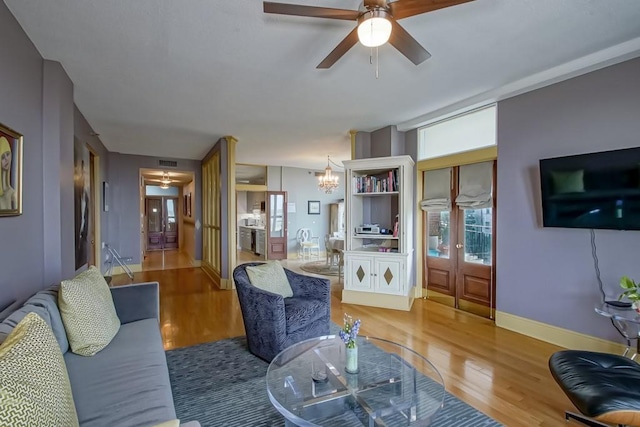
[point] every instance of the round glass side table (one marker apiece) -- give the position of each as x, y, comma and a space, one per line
627, 321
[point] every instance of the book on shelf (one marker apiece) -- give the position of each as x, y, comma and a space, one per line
382, 183
395, 227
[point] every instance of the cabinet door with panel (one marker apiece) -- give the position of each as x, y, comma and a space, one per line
389, 276
260, 241
359, 272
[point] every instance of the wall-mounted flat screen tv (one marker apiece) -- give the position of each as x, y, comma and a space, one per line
597, 190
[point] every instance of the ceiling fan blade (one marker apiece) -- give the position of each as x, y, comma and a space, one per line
312, 11
342, 48
407, 45
406, 8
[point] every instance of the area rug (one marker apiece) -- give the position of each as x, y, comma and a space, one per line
320, 267
222, 384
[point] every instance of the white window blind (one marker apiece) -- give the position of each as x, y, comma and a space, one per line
470, 131
437, 190
475, 186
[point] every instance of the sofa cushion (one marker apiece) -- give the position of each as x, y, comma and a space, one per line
35, 389
270, 277
300, 312
48, 299
16, 317
125, 384
88, 312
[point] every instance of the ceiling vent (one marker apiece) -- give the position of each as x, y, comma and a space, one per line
168, 163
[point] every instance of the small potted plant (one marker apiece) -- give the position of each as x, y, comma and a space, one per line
631, 292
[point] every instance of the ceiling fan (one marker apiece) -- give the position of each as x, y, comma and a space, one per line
377, 24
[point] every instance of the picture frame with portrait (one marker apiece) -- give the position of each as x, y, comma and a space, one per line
10, 172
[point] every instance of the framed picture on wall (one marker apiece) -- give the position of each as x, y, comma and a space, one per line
313, 207
184, 206
10, 172
189, 204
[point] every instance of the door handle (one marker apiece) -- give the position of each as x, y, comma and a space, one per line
459, 245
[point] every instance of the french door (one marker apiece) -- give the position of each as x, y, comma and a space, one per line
162, 223
276, 212
459, 248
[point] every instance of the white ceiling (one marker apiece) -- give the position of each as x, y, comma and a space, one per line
169, 78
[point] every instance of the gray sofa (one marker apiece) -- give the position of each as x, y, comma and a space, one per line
125, 384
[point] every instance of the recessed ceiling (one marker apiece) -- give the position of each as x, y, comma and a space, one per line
169, 78
154, 177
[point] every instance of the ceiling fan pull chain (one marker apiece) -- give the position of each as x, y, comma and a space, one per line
377, 64
371, 57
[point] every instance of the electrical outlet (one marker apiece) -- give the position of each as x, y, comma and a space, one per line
104, 245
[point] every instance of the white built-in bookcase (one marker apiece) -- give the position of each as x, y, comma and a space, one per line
377, 266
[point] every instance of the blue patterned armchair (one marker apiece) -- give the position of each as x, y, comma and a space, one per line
273, 323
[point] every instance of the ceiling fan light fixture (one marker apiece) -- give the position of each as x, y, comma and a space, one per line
374, 28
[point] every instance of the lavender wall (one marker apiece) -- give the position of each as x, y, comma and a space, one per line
38, 245
547, 274
57, 130
21, 254
124, 205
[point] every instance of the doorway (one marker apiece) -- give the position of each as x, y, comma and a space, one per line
250, 227
276, 224
459, 249
162, 223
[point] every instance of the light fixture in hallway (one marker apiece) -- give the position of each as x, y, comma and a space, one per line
166, 180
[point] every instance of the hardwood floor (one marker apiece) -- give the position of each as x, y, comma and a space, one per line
499, 372
167, 259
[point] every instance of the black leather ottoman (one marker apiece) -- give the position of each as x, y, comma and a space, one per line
604, 387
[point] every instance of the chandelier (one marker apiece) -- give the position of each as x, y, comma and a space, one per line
328, 182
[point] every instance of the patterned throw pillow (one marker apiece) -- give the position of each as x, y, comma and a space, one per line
88, 312
35, 389
271, 277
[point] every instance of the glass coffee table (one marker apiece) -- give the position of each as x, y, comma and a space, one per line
394, 386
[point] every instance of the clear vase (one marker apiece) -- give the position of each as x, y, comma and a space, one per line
352, 360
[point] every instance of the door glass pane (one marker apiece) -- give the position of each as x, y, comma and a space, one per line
171, 214
439, 230
276, 215
478, 235
154, 215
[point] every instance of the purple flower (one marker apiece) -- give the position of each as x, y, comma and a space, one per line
349, 332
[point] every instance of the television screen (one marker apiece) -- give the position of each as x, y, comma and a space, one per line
597, 190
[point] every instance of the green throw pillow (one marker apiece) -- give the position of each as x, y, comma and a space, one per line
270, 277
88, 312
568, 182
34, 384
